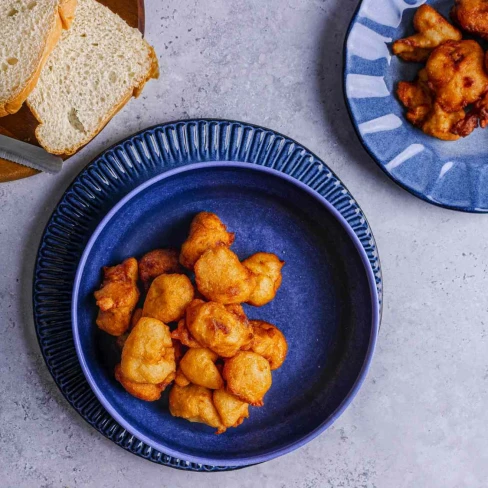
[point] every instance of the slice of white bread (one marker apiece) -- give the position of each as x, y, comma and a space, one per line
96, 67
29, 31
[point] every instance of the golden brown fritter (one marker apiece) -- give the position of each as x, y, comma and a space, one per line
456, 74
198, 366
158, 262
432, 30
117, 297
148, 355
472, 16
267, 269
248, 377
194, 403
143, 391
417, 97
168, 297
220, 277
231, 410
217, 328
423, 112
206, 232
269, 342
182, 334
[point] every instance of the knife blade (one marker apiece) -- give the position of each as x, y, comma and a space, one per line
29, 155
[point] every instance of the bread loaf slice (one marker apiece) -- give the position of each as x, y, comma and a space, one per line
96, 67
29, 31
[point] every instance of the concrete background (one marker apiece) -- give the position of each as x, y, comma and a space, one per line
421, 418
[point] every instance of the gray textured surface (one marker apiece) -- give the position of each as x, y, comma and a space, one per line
421, 417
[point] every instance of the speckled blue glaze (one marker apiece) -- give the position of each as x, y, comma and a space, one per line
327, 306
450, 174
108, 179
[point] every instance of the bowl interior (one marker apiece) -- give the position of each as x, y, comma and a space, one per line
326, 307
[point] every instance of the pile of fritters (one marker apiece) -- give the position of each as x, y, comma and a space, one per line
449, 97
200, 339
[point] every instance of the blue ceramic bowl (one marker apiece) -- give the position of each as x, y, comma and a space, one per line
327, 306
452, 174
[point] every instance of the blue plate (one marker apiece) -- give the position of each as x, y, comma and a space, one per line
121, 169
327, 306
451, 174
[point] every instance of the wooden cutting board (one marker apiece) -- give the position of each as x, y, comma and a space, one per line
22, 125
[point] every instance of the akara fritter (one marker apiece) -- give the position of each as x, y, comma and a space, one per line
427, 114
194, 403
267, 270
269, 342
168, 297
231, 410
472, 16
156, 263
456, 74
248, 377
143, 391
220, 277
432, 30
117, 297
217, 328
198, 366
148, 355
206, 232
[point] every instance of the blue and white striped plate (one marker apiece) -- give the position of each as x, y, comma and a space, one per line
451, 174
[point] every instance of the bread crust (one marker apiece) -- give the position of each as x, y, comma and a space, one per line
63, 18
135, 91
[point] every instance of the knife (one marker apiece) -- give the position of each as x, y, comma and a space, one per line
29, 155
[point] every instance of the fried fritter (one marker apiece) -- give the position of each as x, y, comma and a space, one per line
417, 97
269, 342
158, 262
231, 410
456, 74
143, 391
423, 112
217, 328
148, 355
248, 377
117, 297
206, 232
168, 297
194, 403
472, 16
220, 277
198, 366
267, 269
182, 334
432, 30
